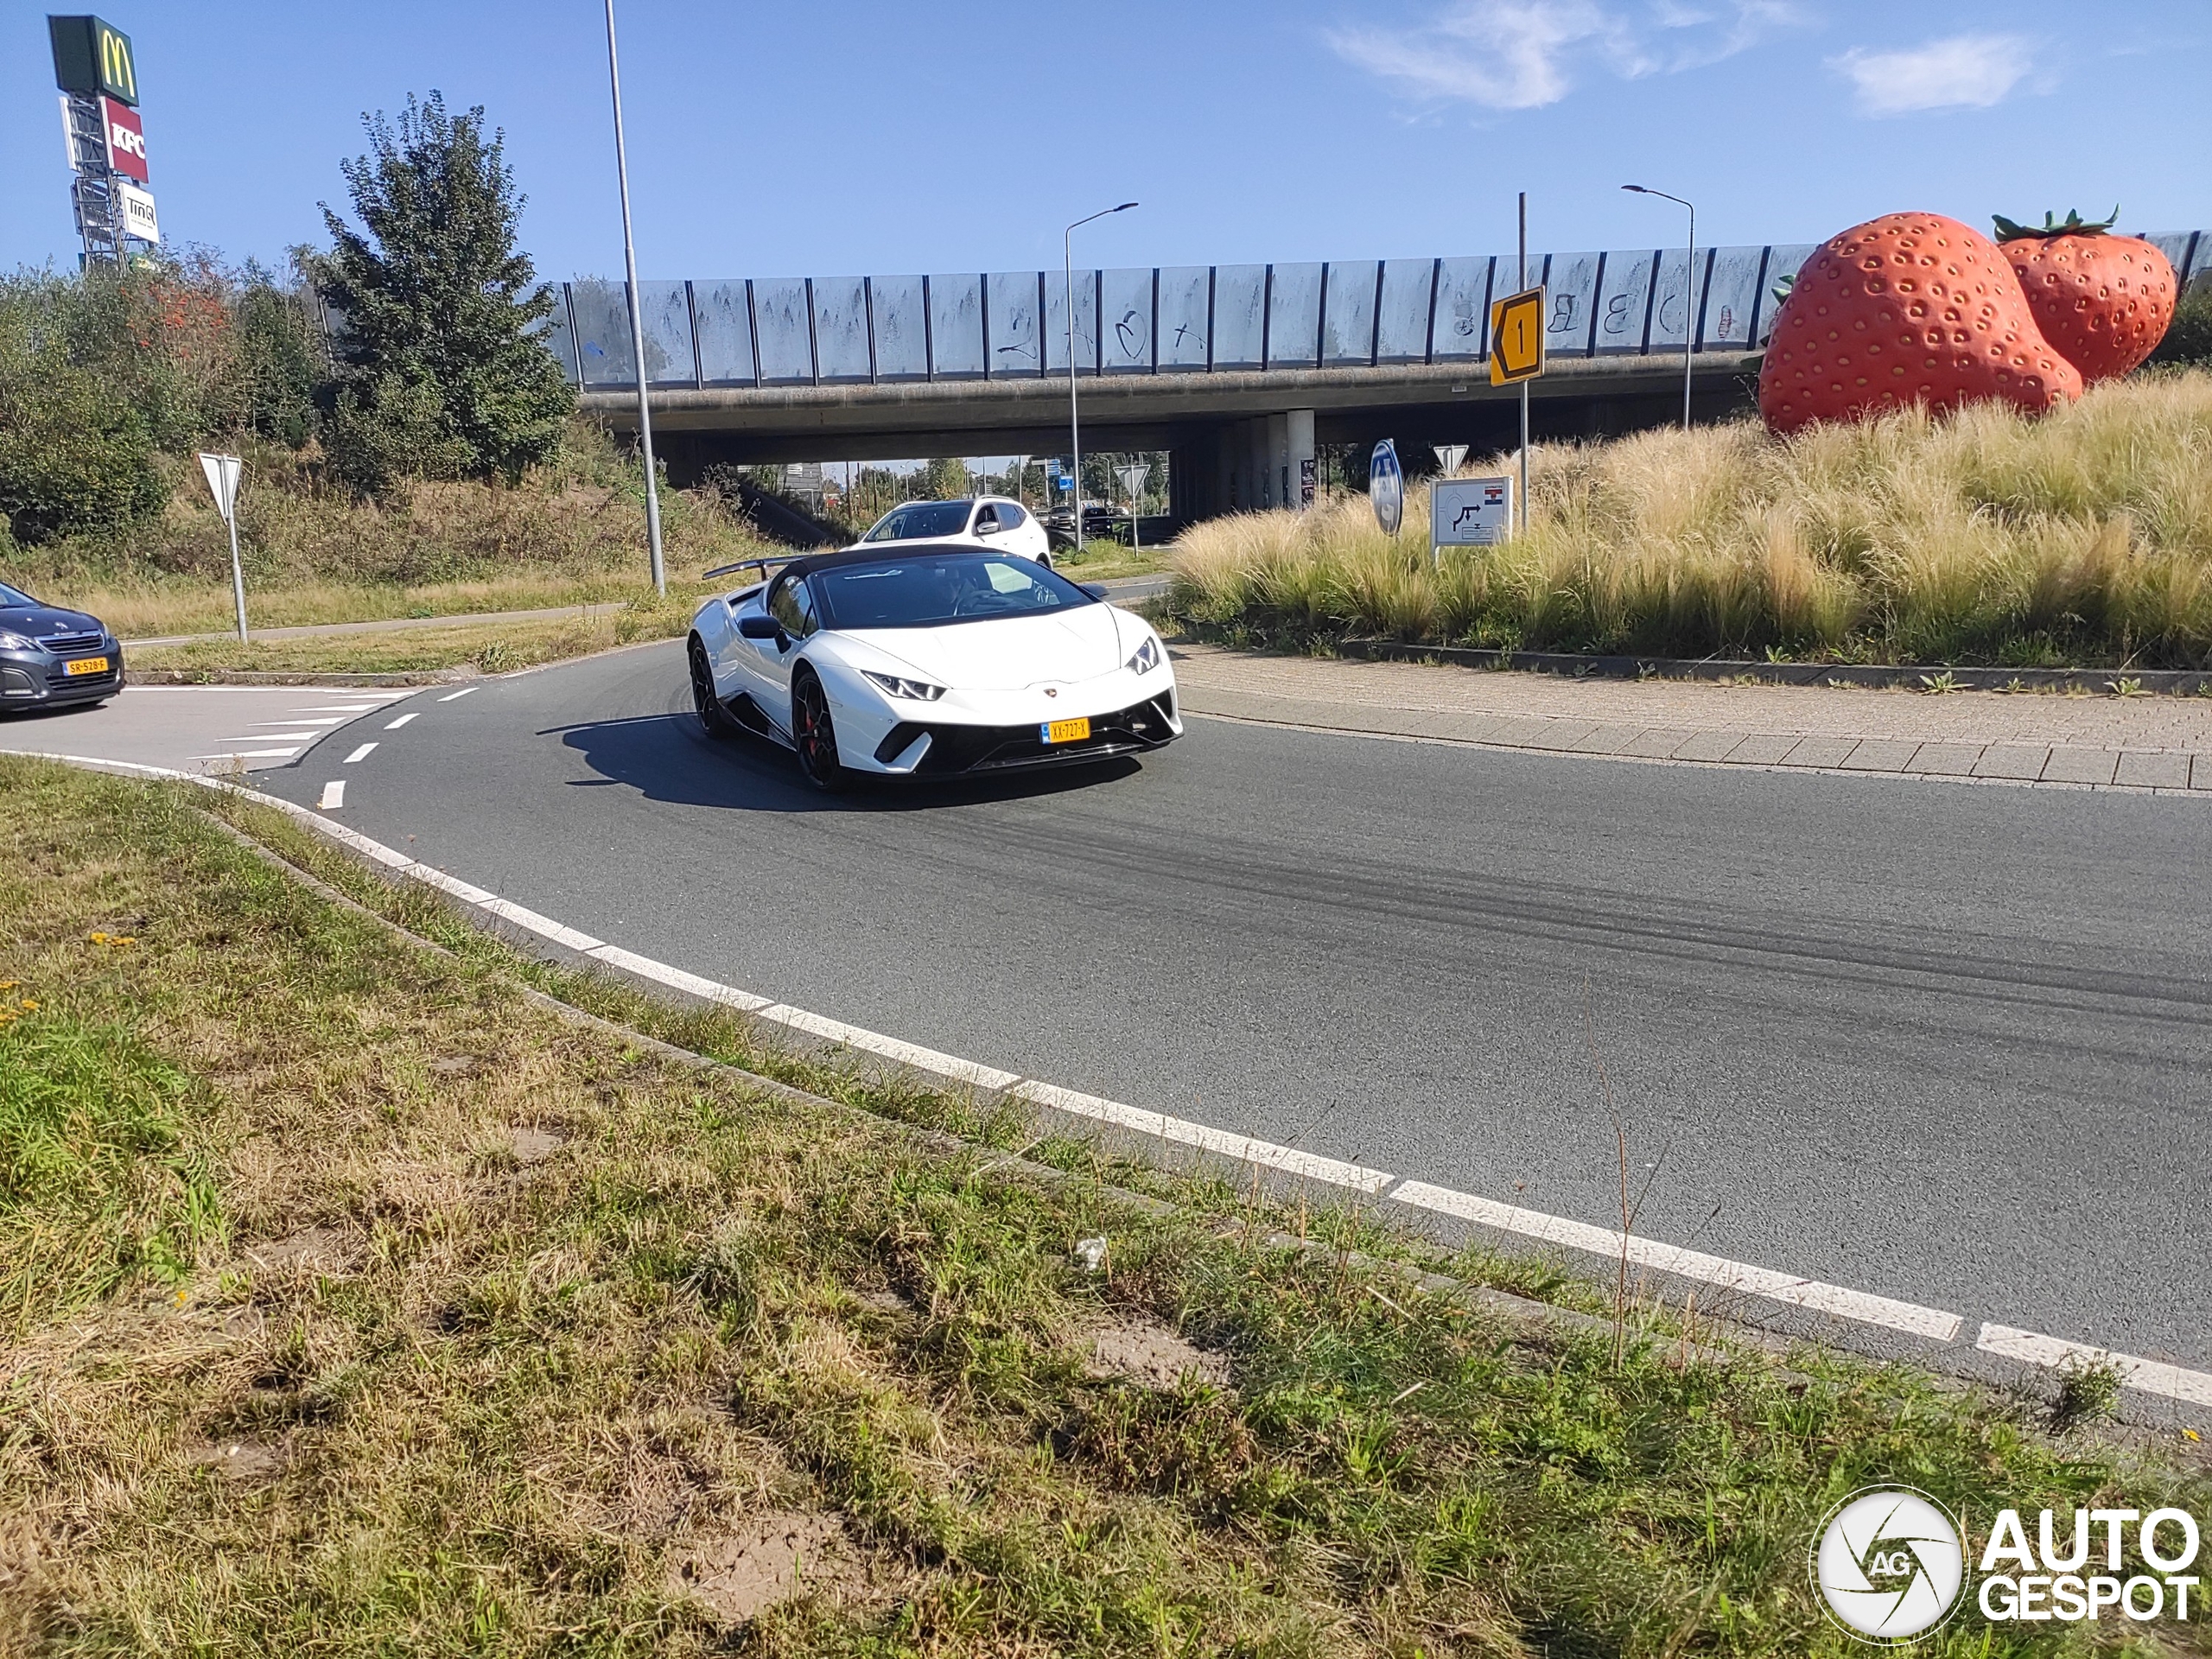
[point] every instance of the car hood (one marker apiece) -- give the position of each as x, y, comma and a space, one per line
39, 620
1008, 652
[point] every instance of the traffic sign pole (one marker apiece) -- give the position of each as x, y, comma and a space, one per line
222, 472
1523, 503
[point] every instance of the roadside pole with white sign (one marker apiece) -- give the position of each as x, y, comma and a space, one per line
1469, 513
1132, 480
223, 480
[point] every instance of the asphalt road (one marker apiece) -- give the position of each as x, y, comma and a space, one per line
199, 728
1942, 1043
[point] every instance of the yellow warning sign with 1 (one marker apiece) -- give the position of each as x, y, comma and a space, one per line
1517, 338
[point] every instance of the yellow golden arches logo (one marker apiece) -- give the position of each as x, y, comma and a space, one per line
118, 76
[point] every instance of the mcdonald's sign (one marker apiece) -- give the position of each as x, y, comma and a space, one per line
93, 57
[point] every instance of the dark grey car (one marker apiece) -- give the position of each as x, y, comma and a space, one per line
50, 656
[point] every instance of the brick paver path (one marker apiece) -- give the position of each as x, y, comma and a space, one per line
2074, 741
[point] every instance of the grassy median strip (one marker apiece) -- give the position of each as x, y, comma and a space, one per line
488, 647
355, 1303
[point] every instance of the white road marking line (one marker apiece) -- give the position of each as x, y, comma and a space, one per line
269, 737
340, 709
1859, 1306
402, 720
334, 797
361, 753
463, 692
296, 721
244, 754
1161, 1127
2150, 1375
870, 1042
1654, 1256
646, 968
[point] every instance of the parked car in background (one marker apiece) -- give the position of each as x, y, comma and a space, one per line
51, 655
988, 521
1098, 519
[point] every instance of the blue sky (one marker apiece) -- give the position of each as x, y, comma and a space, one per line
892, 137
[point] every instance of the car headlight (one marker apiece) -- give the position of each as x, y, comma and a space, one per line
1147, 656
17, 642
892, 686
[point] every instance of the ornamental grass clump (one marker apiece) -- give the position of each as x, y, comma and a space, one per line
2083, 536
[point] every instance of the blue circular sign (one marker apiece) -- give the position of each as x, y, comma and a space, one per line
1386, 486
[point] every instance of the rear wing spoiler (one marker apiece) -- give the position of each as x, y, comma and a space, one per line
761, 565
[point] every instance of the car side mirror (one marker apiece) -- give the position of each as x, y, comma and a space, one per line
988, 527
759, 628
1096, 589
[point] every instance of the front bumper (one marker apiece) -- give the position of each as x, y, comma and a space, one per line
37, 679
954, 748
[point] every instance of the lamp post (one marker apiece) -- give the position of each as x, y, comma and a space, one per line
637, 319
1689, 294
1075, 435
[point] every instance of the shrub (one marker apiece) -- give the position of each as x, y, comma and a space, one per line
77, 447
440, 374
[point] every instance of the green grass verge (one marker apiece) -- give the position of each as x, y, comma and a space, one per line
490, 647
472, 1331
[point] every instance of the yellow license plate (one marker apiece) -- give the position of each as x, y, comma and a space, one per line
1066, 731
86, 665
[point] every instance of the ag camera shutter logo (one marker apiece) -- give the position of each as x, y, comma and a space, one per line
1889, 1563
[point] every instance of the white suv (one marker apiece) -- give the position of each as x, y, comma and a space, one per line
990, 521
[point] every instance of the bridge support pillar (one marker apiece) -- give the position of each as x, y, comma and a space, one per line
1299, 476
1259, 466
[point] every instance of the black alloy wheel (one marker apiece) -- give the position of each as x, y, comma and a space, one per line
813, 736
714, 719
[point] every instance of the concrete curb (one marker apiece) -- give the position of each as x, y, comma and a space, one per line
278, 676
1878, 676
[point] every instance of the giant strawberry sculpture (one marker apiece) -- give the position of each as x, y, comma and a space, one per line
1908, 308
2103, 301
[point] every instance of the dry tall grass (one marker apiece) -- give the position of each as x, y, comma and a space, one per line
2082, 537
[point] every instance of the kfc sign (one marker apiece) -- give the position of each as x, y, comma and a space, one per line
126, 139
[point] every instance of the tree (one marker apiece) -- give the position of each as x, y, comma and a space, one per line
440, 374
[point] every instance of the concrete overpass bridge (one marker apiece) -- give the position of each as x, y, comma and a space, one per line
1237, 370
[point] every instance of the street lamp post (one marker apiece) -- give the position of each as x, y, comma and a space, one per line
1075, 434
1689, 294
637, 319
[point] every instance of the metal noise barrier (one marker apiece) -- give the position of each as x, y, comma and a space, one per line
797, 331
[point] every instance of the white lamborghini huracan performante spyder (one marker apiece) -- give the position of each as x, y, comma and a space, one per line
930, 659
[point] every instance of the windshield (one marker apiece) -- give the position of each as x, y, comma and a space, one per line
926, 590
10, 598
922, 521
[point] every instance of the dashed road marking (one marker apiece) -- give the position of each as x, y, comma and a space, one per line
296, 721
463, 692
402, 720
333, 795
269, 737
359, 754
2150, 1375
244, 755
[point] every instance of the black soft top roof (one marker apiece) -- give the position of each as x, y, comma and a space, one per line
877, 552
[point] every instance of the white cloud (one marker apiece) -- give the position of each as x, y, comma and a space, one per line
1962, 72
1521, 55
